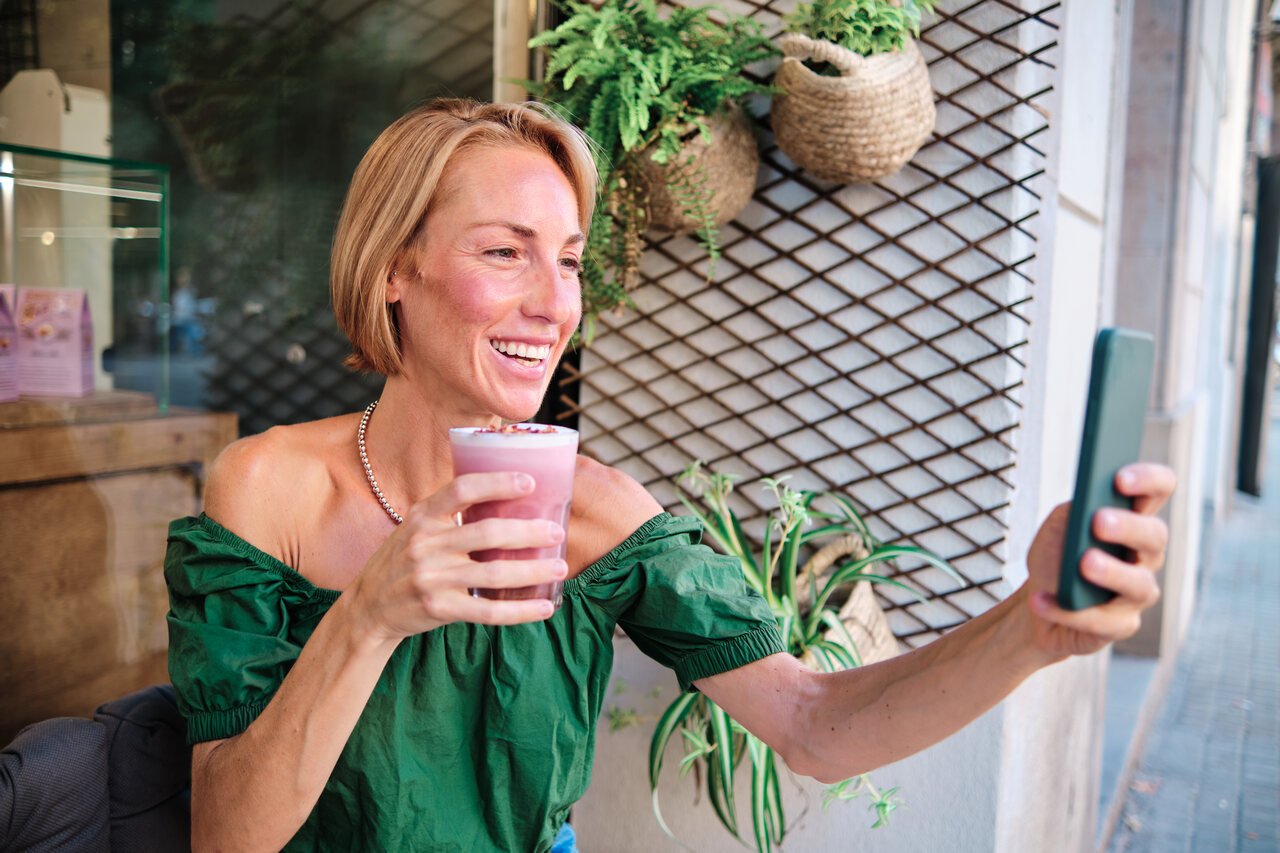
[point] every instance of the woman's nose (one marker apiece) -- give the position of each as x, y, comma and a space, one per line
553, 296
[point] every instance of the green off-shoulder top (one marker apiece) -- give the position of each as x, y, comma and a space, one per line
476, 738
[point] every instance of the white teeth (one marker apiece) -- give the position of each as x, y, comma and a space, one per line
520, 350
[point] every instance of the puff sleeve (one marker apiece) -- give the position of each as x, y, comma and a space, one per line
688, 607
237, 621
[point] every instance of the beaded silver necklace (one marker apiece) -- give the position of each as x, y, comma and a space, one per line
368, 471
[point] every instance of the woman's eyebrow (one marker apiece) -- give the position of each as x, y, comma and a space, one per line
527, 232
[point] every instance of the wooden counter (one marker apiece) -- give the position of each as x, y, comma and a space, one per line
87, 490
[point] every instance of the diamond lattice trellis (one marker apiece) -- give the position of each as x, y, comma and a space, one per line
864, 339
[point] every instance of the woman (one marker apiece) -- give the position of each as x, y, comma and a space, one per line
342, 688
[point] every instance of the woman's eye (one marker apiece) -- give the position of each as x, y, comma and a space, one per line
572, 264
505, 252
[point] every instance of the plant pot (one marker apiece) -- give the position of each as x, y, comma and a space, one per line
861, 615
863, 125
726, 165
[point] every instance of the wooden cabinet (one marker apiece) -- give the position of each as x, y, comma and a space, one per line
87, 491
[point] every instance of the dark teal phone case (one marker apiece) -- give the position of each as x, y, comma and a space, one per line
1115, 416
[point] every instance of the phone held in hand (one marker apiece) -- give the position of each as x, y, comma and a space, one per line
1115, 416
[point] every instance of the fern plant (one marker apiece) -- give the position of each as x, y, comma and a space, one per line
807, 613
866, 27
639, 83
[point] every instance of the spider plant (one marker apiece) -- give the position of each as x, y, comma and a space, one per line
805, 602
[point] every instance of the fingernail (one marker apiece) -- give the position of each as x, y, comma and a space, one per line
562, 569
1125, 479
524, 482
557, 532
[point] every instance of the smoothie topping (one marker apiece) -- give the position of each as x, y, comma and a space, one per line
519, 429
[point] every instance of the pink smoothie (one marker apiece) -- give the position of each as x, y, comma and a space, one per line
548, 455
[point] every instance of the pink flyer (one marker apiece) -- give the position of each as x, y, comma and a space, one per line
55, 342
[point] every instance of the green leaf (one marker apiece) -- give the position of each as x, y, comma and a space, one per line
855, 571
746, 552
716, 794
790, 562
722, 734
848, 789
786, 624
838, 654
774, 793
884, 805
760, 806
835, 624
696, 747
823, 659
853, 517
671, 719
930, 558
667, 725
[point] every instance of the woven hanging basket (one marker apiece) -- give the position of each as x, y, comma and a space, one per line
727, 165
863, 125
861, 614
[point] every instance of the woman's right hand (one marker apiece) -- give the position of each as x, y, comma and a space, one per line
422, 576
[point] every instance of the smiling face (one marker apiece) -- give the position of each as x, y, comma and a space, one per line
491, 297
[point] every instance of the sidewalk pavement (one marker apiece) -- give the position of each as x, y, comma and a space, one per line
1209, 778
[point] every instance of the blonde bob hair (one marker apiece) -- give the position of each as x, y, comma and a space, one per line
394, 188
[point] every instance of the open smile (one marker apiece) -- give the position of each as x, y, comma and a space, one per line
527, 355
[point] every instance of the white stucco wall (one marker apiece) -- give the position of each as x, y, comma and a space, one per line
1052, 725
948, 793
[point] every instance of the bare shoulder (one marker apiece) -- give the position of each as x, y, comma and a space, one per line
259, 486
608, 506
598, 485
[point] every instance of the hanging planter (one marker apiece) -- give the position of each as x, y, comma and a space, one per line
866, 633
721, 165
658, 91
864, 124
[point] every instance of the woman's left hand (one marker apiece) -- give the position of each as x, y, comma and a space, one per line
1060, 632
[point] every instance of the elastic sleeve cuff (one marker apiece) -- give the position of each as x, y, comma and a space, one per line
729, 654
216, 725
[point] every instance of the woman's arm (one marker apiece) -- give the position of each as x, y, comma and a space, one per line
255, 790
837, 725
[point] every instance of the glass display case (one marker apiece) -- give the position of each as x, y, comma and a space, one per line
99, 227
94, 462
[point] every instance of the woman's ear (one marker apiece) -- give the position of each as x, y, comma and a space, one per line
404, 269
395, 284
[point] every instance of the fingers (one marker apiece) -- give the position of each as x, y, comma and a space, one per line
1149, 484
506, 534
470, 489
513, 574
444, 593
1135, 583
487, 611
1146, 535
1107, 622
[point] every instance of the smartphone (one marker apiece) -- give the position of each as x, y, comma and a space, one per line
1114, 420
